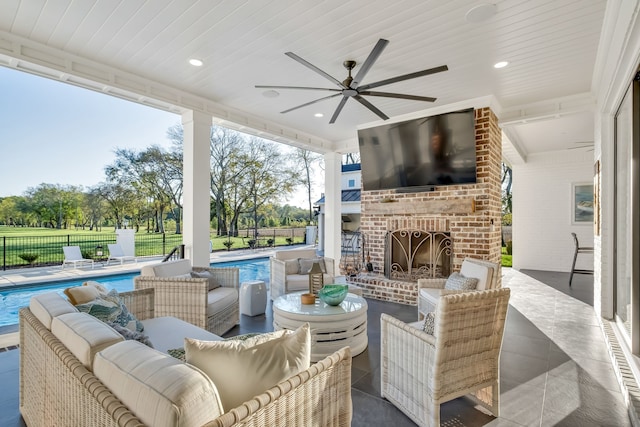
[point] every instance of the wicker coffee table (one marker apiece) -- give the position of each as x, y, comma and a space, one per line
332, 327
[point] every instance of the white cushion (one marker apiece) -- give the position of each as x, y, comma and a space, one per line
430, 294
168, 269
49, 305
295, 254
166, 333
84, 335
480, 272
158, 388
244, 369
221, 298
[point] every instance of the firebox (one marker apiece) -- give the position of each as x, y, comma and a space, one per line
415, 254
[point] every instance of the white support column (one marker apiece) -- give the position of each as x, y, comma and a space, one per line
196, 181
333, 205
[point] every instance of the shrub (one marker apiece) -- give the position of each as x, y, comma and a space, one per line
509, 247
289, 240
252, 243
270, 242
87, 254
29, 257
228, 244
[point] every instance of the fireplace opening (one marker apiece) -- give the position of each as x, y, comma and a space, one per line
414, 254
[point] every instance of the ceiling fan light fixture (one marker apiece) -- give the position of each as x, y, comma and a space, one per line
481, 13
271, 93
501, 64
196, 62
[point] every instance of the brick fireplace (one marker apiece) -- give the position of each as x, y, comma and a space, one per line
468, 214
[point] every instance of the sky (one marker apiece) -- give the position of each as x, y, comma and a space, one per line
56, 133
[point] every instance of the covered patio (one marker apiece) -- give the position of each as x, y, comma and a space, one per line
570, 66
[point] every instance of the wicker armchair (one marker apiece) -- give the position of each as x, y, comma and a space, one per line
285, 275
430, 290
189, 299
421, 371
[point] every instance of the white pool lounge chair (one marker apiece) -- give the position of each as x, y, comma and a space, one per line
72, 255
116, 253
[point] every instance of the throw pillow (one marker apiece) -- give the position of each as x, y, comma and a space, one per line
128, 334
457, 282
307, 263
81, 294
110, 308
101, 289
429, 325
213, 283
244, 369
178, 353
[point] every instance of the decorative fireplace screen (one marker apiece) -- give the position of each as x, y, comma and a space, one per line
413, 254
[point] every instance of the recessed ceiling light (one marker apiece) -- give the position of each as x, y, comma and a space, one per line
196, 62
480, 13
318, 115
270, 93
500, 64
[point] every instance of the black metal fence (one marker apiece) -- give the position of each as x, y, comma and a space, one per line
35, 251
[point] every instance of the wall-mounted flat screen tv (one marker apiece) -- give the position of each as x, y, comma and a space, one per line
419, 154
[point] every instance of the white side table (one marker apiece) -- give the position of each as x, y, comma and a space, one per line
253, 298
332, 327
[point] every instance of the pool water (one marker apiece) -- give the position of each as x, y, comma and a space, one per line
12, 299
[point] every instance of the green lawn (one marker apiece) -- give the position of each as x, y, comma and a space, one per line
47, 244
506, 259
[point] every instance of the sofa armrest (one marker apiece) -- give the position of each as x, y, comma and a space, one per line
319, 396
278, 277
431, 283
184, 298
140, 302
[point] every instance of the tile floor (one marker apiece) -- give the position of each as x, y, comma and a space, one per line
555, 368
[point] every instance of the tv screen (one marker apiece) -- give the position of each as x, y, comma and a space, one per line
424, 152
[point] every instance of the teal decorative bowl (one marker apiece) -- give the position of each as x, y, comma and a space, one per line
333, 294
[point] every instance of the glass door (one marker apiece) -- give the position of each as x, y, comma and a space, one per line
627, 303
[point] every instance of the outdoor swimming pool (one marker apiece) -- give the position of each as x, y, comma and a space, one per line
12, 299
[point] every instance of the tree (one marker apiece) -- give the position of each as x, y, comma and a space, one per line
507, 180
226, 169
118, 198
266, 178
306, 160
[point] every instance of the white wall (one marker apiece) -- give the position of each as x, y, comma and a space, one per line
356, 176
542, 197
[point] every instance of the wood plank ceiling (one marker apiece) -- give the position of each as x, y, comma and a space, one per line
551, 46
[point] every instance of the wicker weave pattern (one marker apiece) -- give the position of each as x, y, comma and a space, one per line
56, 389
186, 298
319, 396
421, 371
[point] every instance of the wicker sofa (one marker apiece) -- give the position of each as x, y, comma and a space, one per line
180, 295
65, 356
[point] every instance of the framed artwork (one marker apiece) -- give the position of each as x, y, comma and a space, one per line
582, 203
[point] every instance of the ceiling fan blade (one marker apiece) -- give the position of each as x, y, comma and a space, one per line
398, 95
296, 87
371, 59
371, 107
338, 110
309, 103
405, 77
314, 68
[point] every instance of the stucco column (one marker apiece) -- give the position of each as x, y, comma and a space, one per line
196, 182
332, 197
321, 233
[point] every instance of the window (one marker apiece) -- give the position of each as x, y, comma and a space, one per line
352, 183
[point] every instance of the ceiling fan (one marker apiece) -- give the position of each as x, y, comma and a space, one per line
350, 87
